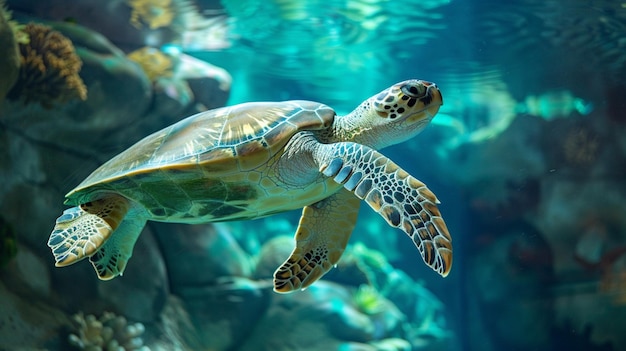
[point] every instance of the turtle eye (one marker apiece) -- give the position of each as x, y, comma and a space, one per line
414, 89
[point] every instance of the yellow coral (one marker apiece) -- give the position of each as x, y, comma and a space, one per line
49, 69
368, 300
153, 62
155, 13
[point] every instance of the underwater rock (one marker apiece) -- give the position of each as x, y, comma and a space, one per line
109, 76
572, 211
349, 272
585, 148
111, 18
87, 126
142, 292
422, 314
391, 344
186, 87
318, 318
22, 189
132, 24
26, 322
210, 84
172, 97
28, 272
10, 59
8, 242
397, 304
176, 331
512, 286
273, 253
45, 152
513, 157
199, 255
226, 312
374, 287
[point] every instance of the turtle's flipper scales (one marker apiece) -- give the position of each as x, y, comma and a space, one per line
321, 238
83, 229
403, 201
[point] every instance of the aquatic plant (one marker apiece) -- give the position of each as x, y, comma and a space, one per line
19, 34
49, 69
368, 300
109, 332
374, 263
153, 62
154, 13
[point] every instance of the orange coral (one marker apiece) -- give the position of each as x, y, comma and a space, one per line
49, 69
153, 62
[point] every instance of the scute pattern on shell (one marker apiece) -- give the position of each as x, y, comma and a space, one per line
216, 137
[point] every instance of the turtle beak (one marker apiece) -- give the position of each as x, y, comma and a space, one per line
435, 94
433, 98
432, 101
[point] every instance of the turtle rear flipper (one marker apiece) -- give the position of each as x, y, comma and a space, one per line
110, 261
82, 230
321, 238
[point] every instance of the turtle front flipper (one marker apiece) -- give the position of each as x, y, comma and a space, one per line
82, 230
403, 201
321, 238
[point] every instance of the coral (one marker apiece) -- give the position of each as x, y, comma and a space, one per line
154, 13
49, 69
107, 333
153, 62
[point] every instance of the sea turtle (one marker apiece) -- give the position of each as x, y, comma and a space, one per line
257, 159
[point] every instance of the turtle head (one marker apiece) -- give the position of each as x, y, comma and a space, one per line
396, 114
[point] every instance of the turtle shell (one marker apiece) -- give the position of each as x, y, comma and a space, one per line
221, 142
